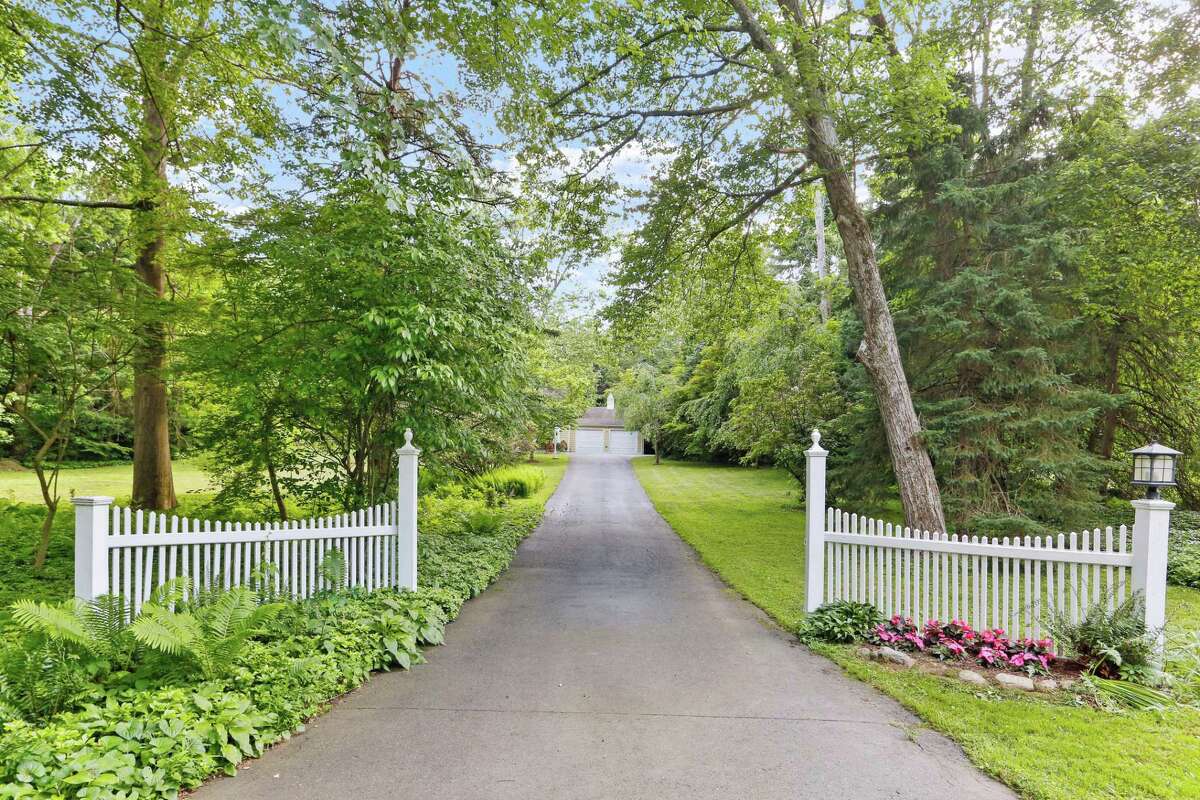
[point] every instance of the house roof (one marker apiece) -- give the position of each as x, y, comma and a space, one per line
600, 417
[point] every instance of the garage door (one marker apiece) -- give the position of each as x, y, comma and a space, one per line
589, 441
623, 442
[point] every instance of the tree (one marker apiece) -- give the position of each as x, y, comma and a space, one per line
64, 333
341, 323
158, 102
645, 397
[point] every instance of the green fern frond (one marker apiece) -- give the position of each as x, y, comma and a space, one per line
170, 593
61, 623
166, 631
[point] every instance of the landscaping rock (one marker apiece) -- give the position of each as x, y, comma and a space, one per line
1066, 683
1015, 682
970, 676
865, 652
895, 656
1046, 685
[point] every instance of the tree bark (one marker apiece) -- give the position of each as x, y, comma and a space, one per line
822, 264
879, 350
153, 483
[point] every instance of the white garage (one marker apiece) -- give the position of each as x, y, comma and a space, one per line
589, 441
625, 443
601, 430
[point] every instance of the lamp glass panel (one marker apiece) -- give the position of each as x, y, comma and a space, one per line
1141, 468
1163, 471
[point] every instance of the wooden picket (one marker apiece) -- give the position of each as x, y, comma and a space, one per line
1014, 583
130, 553
989, 582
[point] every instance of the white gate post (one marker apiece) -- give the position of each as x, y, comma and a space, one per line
91, 546
814, 502
406, 515
1151, 526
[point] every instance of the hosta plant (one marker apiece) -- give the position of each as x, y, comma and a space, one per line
842, 622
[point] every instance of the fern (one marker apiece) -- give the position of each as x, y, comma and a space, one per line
208, 639
333, 569
98, 628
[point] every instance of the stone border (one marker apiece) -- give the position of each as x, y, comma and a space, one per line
1003, 680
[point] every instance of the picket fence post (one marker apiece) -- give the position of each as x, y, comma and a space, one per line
814, 501
406, 515
91, 546
1151, 527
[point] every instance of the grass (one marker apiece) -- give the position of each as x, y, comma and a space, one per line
747, 527
112, 481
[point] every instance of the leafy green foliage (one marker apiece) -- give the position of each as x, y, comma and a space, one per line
208, 639
378, 319
842, 622
1114, 644
1129, 694
98, 627
1183, 558
276, 669
333, 569
514, 481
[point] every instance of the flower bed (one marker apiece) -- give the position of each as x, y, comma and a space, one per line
957, 640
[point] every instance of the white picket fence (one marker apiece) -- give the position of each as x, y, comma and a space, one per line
1011, 583
129, 553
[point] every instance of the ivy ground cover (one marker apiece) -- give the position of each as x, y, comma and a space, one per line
153, 741
746, 526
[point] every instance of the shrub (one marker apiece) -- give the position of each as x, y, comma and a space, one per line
514, 482
1113, 644
209, 639
841, 622
1183, 559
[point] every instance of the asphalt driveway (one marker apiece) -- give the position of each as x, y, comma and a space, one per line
608, 662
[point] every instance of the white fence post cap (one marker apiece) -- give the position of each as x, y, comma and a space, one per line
1152, 504
409, 448
816, 449
92, 501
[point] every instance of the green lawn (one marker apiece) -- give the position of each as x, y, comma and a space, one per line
746, 526
112, 481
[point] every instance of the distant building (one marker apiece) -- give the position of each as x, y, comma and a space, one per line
601, 430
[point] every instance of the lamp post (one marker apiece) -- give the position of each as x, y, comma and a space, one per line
1154, 466
557, 436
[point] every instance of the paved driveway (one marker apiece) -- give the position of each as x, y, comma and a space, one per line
610, 663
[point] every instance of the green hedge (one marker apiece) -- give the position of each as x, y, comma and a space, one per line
151, 743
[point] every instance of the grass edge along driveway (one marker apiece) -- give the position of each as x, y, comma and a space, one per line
745, 525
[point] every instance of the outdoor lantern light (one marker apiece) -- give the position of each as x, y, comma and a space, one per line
1154, 466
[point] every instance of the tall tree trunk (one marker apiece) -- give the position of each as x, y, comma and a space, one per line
276, 491
1104, 437
879, 350
153, 483
822, 264
657, 455
49, 489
